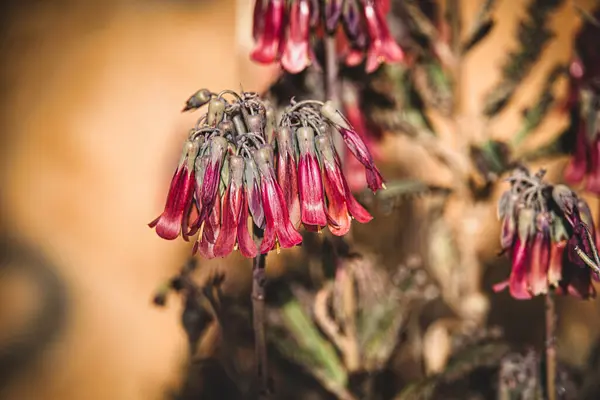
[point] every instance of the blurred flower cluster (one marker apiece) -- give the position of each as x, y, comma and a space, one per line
548, 232
584, 102
284, 31
238, 162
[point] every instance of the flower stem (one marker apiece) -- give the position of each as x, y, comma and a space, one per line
550, 346
258, 319
332, 88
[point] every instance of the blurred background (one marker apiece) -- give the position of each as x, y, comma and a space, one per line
90, 133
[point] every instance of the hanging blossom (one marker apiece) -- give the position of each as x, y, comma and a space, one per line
283, 31
584, 102
351, 107
547, 231
238, 163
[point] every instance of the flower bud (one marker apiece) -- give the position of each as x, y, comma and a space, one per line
197, 100
564, 198
334, 115
216, 110
255, 124
227, 127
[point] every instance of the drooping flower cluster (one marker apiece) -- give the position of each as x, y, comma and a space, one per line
584, 102
548, 232
237, 162
283, 31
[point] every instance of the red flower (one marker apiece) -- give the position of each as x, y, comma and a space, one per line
233, 224
286, 172
312, 209
296, 53
173, 220
341, 203
540, 256
210, 231
518, 282
269, 29
252, 189
212, 177
355, 144
279, 228
382, 46
353, 169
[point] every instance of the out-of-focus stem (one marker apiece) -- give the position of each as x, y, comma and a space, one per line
258, 319
332, 87
550, 346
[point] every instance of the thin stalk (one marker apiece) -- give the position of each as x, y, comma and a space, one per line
550, 346
259, 280
258, 320
332, 87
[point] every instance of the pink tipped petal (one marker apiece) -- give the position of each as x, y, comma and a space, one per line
267, 47
296, 53
540, 262
179, 199
278, 227
252, 189
518, 276
245, 243
212, 177
341, 203
382, 47
310, 185
211, 231
232, 204
286, 173
498, 287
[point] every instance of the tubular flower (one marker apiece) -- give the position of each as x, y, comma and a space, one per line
282, 31
355, 144
546, 232
268, 30
287, 176
356, 118
584, 104
279, 230
342, 206
179, 200
312, 207
239, 163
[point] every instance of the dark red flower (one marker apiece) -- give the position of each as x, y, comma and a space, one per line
382, 46
210, 231
253, 195
551, 249
287, 176
353, 169
179, 199
233, 224
212, 177
312, 209
279, 229
297, 53
342, 206
520, 253
355, 145
269, 29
